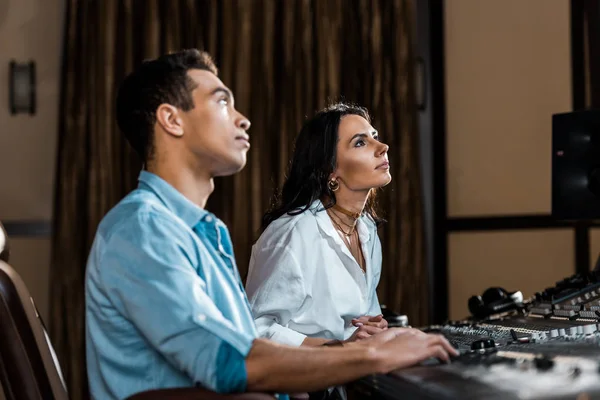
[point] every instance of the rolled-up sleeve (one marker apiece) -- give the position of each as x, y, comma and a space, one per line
154, 282
276, 291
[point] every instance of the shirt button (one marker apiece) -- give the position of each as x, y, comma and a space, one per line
201, 317
208, 218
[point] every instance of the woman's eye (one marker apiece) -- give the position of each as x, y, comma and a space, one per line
359, 143
223, 101
376, 137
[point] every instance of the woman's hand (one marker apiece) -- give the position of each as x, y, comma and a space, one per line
363, 332
367, 326
376, 321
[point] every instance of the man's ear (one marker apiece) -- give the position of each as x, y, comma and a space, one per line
169, 119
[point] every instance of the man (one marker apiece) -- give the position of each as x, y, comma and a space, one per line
165, 306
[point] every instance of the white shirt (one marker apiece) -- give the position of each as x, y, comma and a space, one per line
303, 281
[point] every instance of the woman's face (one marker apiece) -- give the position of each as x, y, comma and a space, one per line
362, 160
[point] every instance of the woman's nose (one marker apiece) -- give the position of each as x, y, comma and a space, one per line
384, 149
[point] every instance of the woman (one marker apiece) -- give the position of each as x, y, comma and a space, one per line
314, 270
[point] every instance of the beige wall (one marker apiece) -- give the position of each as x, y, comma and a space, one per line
594, 246
30, 30
507, 72
528, 261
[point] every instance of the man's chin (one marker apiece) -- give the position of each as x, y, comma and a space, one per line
231, 168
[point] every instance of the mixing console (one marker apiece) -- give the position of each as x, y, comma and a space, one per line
544, 347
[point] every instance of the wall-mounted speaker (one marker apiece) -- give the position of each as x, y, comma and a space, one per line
576, 165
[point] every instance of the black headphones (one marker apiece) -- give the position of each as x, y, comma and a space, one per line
494, 300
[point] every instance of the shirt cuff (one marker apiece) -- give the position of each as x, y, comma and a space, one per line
284, 335
231, 370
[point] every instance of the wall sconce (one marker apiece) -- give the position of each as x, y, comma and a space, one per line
22, 88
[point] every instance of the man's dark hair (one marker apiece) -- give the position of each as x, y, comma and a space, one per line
155, 82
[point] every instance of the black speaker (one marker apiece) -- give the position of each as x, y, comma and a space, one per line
576, 165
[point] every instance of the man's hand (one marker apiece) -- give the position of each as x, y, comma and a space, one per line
376, 321
272, 367
403, 347
389, 334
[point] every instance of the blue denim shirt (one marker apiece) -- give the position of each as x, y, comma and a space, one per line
165, 305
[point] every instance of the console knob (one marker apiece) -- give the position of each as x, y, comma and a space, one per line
573, 330
398, 321
589, 329
562, 332
483, 344
554, 333
544, 363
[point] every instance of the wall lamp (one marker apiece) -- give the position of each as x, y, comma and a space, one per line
21, 83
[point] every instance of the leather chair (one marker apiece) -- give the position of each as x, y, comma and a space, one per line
29, 369
4, 245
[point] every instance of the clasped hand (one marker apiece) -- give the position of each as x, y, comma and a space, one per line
367, 326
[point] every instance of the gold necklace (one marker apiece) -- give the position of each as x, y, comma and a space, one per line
356, 250
339, 228
341, 220
351, 214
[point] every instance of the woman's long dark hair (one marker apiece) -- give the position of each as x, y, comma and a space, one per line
313, 162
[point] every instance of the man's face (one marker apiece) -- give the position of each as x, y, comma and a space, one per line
214, 131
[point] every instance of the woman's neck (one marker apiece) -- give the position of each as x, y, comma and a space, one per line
349, 205
351, 201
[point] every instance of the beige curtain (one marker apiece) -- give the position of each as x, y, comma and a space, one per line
284, 60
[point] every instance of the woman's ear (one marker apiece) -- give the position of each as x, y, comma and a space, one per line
168, 117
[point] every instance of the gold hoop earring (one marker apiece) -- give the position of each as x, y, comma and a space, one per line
333, 184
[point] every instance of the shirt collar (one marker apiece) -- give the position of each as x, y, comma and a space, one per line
176, 202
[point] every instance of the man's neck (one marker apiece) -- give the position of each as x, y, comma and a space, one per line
196, 187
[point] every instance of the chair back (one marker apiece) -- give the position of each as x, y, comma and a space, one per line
29, 369
4, 245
